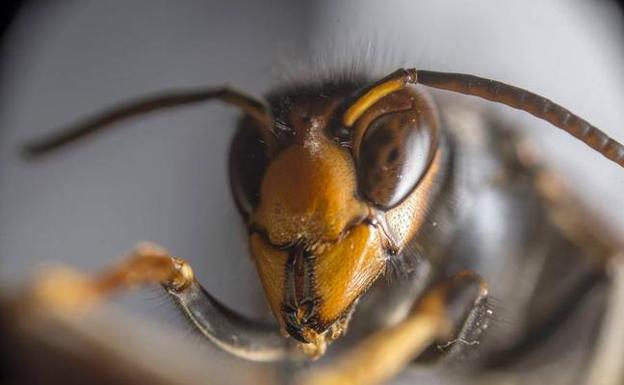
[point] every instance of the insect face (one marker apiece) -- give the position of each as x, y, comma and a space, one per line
334, 180
329, 207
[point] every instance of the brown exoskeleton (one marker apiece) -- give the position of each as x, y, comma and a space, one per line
340, 181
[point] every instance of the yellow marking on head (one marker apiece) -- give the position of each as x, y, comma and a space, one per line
369, 98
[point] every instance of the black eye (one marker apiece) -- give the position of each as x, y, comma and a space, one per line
248, 163
394, 154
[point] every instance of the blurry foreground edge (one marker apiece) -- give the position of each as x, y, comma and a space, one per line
107, 346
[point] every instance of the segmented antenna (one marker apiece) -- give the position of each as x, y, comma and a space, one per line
526, 101
248, 104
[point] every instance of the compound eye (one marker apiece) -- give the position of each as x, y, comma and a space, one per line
394, 154
247, 164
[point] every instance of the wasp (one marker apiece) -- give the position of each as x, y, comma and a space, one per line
344, 182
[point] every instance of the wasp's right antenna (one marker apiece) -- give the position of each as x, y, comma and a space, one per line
248, 104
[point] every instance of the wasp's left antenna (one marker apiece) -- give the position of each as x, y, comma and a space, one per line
495, 91
251, 106
530, 102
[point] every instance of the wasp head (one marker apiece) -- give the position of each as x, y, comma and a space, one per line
315, 205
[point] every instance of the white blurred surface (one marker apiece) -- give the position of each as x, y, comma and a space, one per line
161, 177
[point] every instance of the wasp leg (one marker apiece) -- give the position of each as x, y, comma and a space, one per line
469, 313
230, 331
435, 318
148, 264
67, 289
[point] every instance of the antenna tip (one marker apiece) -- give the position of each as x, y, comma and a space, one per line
30, 151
